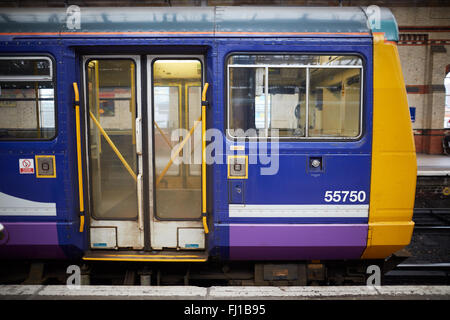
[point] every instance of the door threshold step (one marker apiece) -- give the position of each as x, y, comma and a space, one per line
146, 256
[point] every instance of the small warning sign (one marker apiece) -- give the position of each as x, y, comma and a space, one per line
26, 166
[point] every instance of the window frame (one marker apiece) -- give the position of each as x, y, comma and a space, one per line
266, 67
43, 78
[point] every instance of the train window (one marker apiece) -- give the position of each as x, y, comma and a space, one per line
322, 91
27, 106
334, 102
25, 67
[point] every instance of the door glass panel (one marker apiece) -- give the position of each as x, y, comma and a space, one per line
194, 96
166, 117
112, 108
177, 138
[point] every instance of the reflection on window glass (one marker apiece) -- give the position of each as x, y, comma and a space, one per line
166, 117
334, 108
194, 96
176, 110
247, 93
298, 59
24, 67
334, 102
166, 110
27, 110
287, 89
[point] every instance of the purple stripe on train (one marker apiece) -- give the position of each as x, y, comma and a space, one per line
297, 241
30, 240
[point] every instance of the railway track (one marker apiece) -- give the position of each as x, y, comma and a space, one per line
431, 219
430, 249
419, 274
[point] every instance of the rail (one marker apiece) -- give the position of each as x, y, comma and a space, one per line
204, 210
79, 164
431, 219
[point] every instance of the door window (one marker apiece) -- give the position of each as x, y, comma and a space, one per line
177, 138
111, 100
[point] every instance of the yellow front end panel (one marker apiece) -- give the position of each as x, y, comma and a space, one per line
394, 166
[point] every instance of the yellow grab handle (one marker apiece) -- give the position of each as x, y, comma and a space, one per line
205, 223
205, 88
80, 168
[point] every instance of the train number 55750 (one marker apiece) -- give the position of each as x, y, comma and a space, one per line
345, 196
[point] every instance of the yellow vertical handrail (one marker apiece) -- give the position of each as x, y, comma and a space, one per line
204, 103
80, 169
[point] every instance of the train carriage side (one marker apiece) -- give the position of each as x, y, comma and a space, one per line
313, 154
336, 179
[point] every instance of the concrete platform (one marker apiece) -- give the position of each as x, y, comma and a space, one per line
58, 292
433, 165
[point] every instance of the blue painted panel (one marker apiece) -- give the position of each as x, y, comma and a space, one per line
346, 163
236, 191
62, 190
293, 184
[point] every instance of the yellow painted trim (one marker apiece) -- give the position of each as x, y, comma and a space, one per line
79, 164
203, 159
205, 89
151, 256
112, 145
387, 237
205, 224
246, 167
147, 260
37, 169
394, 166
